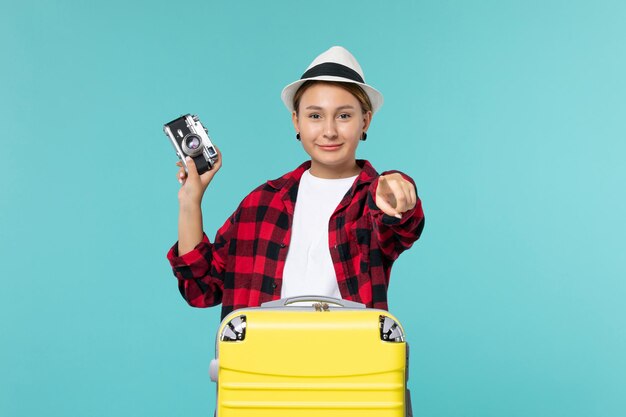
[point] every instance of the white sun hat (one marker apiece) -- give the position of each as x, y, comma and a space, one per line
336, 64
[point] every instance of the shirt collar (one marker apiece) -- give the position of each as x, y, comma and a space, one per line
366, 176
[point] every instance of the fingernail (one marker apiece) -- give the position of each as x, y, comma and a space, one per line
181, 175
180, 181
187, 158
399, 216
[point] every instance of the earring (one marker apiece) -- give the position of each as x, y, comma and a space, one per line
364, 137
298, 136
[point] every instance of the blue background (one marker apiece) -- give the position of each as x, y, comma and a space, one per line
508, 114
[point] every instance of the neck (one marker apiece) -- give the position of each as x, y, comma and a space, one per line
334, 172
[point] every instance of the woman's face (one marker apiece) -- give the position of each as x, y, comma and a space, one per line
331, 123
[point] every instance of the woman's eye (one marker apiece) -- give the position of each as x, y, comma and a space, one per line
344, 116
314, 116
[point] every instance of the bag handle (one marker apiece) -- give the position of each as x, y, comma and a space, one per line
283, 302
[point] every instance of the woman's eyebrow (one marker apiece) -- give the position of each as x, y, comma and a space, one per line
313, 107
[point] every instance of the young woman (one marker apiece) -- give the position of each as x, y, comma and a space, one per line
331, 227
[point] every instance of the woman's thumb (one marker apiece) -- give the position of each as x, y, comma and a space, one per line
192, 171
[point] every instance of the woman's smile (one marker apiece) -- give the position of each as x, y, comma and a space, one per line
330, 147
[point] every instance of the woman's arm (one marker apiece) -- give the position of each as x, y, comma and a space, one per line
197, 263
189, 227
190, 199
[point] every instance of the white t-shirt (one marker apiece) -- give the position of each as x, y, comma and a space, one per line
309, 268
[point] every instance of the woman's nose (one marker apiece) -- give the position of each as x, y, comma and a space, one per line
331, 130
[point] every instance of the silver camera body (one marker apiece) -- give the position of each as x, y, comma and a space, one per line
191, 138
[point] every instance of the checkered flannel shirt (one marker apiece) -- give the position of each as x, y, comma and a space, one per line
243, 266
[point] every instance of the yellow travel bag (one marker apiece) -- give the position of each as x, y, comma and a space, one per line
330, 357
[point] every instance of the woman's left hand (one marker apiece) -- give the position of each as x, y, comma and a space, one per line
395, 195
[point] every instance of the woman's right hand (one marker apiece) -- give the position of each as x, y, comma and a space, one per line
194, 185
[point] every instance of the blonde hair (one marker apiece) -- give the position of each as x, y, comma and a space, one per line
352, 88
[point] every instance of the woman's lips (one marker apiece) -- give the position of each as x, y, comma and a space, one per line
330, 147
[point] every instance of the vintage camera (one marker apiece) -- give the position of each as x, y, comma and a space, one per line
192, 139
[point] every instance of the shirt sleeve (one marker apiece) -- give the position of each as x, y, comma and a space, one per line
200, 272
395, 235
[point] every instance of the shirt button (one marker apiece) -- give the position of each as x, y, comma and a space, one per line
274, 285
282, 245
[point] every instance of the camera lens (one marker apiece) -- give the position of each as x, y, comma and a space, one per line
192, 145
192, 142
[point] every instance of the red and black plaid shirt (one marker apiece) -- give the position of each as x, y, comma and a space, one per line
243, 267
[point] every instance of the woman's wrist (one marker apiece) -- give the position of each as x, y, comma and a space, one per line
189, 204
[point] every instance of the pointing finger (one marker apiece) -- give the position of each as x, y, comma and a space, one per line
386, 208
385, 198
399, 195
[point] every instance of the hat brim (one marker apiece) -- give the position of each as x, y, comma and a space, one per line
290, 90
